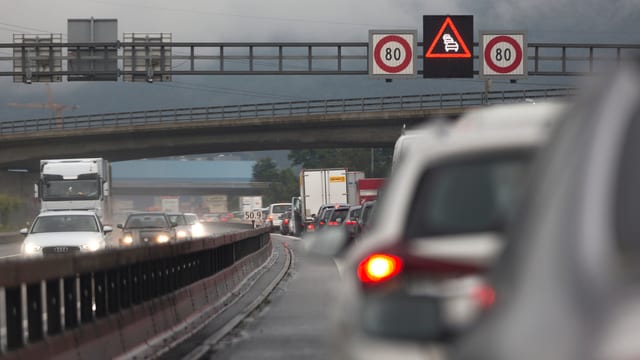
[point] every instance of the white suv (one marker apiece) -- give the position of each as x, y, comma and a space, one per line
274, 212
436, 229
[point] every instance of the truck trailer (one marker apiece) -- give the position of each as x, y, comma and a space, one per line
321, 186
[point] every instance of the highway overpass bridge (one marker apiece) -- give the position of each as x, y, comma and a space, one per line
360, 122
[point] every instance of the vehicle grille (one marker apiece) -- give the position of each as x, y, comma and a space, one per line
51, 250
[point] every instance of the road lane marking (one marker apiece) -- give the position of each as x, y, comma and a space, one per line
8, 256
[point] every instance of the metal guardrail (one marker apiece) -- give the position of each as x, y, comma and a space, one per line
267, 110
83, 289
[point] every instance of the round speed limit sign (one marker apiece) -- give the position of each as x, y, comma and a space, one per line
503, 55
392, 53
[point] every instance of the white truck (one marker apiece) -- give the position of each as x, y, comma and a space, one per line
76, 184
321, 186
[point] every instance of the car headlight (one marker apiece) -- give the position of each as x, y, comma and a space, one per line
162, 238
127, 239
181, 234
197, 230
30, 248
93, 245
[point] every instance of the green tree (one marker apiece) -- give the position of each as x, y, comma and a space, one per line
354, 159
283, 184
8, 204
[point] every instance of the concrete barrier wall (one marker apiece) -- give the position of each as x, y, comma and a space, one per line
108, 337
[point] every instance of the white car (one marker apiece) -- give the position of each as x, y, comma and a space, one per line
64, 232
274, 212
435, 231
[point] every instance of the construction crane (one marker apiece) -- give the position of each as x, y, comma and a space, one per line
57, 109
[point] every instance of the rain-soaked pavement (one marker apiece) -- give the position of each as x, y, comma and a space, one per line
293, 323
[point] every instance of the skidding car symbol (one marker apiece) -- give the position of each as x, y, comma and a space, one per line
449, 43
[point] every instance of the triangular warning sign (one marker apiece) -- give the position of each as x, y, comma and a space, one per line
452, 46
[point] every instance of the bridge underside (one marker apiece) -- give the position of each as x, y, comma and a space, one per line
176, 189
369, 129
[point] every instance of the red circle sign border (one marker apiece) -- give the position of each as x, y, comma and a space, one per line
500, 69
384, 41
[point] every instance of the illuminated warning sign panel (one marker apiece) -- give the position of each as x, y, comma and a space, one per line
448, 46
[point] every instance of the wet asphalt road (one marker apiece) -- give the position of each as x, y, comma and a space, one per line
294, 321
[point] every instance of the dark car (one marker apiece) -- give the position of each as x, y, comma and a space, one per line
365, 215
336, 216
147, 228
322, 217
351, 222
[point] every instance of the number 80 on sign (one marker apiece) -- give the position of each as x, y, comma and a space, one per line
392, 54
503, 55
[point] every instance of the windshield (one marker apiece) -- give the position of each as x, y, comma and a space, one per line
471, 195
64, 223
71, 190
146, 221
177, 219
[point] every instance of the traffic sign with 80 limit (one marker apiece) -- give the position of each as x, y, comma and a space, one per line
503, 55
391, 54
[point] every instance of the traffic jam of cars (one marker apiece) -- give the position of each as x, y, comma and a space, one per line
512, 220
509, 233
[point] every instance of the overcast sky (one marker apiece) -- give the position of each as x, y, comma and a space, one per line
581, 21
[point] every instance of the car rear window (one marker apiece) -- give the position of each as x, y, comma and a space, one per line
339, 214
280, 208
474, 194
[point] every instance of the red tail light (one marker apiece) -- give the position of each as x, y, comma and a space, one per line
377, 268
286, 221
270, 217
322, 222
311, 227
333, 223
349, 222
485, 296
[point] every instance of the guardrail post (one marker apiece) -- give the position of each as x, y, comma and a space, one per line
34, 311
113, 299
100, 284
136, 284
86, 299
173, 275
13, 301
125, 287
161, 277
54, 308
147, 277
70, 302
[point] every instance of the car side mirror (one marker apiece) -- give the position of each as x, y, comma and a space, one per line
24, 231
120, 226
107, 229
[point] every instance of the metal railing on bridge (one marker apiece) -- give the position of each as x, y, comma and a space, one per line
278, 109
